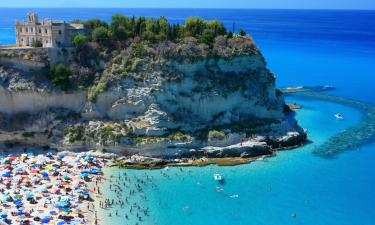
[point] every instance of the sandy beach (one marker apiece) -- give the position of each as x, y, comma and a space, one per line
48, 188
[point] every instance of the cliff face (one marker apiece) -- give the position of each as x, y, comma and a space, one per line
157, 100
203, 93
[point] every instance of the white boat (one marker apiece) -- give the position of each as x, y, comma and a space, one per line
218, 177
233, 196
339, 116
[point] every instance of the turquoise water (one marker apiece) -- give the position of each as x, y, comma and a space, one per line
316, 190
301, 47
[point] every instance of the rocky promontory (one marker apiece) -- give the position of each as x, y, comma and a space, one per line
156, 98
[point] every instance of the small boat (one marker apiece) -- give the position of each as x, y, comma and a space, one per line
233, 196
339, 116
218, 177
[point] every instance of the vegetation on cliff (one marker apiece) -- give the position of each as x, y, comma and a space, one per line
125, 46
122, 28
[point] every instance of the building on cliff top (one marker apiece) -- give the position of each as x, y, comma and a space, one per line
46, 33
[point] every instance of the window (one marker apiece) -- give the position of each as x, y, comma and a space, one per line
27, 30
60, 32
45, 31
40, 31
31, 30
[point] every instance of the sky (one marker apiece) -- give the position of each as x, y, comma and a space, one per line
274, 4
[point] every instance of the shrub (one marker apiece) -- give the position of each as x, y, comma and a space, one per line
100, 35
60, 77
28, 134
79, 41
95, 90
214, 134
242, 32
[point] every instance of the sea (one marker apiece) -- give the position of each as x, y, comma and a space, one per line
302, 48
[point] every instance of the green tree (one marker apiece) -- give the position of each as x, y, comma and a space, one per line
79, 41
216, 27
193, 26
100, 35
207, 37
95, 23
60, 76
120, 27
242, 32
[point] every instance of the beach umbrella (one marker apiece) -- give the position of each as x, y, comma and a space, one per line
45, 174
4, 216
17, 202
55, 174
61, 223
45, 220
6, 175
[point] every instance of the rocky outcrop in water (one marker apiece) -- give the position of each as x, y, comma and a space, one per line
162, 99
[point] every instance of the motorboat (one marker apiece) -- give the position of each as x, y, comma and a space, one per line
218, 177
339, 116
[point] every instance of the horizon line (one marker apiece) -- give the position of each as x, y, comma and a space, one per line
325, 9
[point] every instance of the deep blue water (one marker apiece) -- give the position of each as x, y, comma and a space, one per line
302, 47
308, 47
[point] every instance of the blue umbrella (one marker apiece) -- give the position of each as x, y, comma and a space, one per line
6, 175
4, 216
85, 174
45, 220
18, 202
61, 223
44, 174
95, 170
55, 174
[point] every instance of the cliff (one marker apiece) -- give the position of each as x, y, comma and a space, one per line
160, 99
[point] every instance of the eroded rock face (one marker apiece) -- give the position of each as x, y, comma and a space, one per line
206, 92
163, 102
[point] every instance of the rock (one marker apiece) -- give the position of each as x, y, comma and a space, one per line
161, 104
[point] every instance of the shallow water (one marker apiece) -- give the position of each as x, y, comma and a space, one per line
314, 189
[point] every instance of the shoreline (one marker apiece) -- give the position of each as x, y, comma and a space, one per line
48, 188
157, 163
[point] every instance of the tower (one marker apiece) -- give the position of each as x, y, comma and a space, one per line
33, 17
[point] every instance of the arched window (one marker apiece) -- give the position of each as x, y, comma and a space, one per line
27, 30
40, 31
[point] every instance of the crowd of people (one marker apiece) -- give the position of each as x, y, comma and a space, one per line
47, 188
